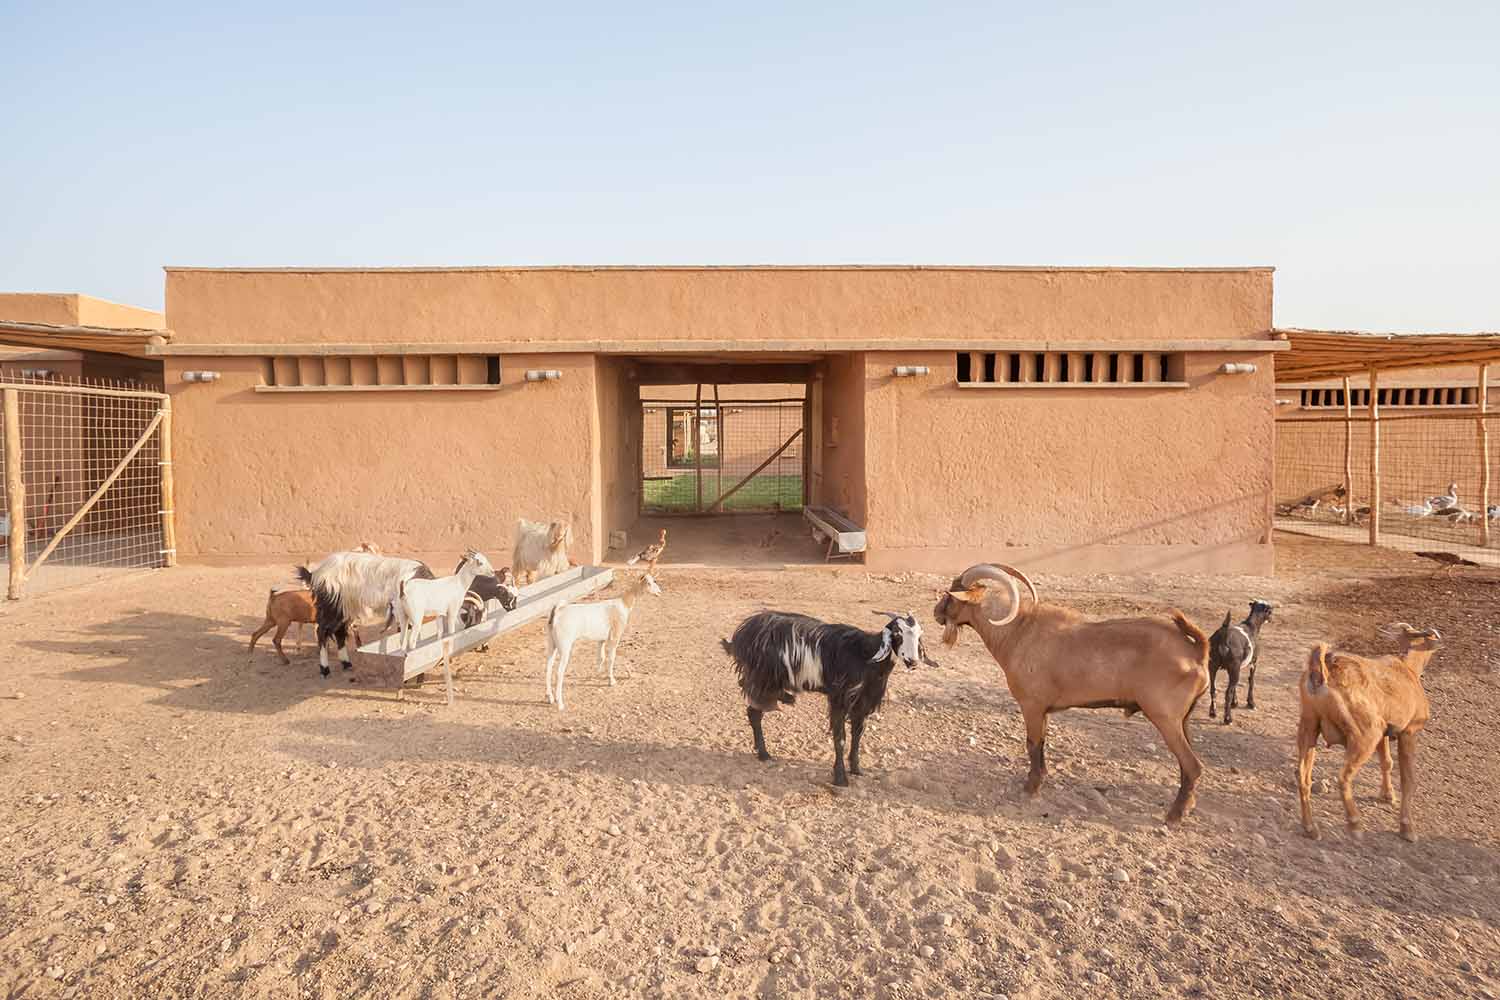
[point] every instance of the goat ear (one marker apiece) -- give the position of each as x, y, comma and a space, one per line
974, 595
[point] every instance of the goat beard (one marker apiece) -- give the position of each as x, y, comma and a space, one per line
950, 635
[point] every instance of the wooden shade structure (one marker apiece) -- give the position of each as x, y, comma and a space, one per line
104, 339
1317, 355
1322, 355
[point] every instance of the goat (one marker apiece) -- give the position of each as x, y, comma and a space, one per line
603, 622
442, 597
541, 550
284, 607
499, 587
351, 586
778, 655
1364, 703
1054, 659
1233, 648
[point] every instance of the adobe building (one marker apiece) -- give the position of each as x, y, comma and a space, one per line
1063, 419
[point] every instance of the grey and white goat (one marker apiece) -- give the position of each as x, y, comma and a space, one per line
1234, 648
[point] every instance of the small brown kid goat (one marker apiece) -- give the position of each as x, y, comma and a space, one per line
1364, 703
283, 609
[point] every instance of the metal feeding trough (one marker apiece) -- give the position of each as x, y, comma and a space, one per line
382, 663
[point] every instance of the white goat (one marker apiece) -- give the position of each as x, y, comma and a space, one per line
349, 587
442, 597
603, 622
541, 550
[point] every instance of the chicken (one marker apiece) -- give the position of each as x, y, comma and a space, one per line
651, 553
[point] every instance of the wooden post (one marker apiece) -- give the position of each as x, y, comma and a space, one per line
1348, 453
1484, 456
1374, 457
15, 489
697, 425
168, 488
719, 441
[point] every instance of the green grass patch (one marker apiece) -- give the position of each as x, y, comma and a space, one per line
680, 493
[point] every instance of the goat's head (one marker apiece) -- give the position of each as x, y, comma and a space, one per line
1425, 640
902, 637
560, 535
1260, 612
477, 562
510, 595
978, 594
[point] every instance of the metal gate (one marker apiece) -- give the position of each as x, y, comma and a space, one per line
722, 456
87, 481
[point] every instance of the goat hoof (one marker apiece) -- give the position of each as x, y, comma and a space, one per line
841, 781
1249, 706
856, 770
762, 756
1313, 833
1356, 833
1409, 835
324, 671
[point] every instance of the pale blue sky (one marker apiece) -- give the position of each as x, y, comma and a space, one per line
1354, 146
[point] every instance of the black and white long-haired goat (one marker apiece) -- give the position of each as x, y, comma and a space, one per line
349, 587
779, 655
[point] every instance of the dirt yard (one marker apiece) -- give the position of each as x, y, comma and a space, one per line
180, 823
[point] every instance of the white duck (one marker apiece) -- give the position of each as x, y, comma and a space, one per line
1446, 501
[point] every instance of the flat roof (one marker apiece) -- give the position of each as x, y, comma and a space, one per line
718, 267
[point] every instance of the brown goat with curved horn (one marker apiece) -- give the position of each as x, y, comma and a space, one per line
1055, 659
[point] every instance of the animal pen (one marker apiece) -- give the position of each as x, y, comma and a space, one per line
87, 480
713, 454
1408, 467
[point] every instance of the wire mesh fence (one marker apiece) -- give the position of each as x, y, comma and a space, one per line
729, 455
1435, 491
90, 464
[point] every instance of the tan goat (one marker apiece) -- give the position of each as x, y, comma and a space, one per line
1364, 703
1055, 659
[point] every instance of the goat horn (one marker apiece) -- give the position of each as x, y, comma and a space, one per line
998, 571
1015, 603
888, 614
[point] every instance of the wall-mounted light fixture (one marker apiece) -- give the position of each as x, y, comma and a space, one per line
906, 371
200, 376
1285, 402
543, 375
1236, 368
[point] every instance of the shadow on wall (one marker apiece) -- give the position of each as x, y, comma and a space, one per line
1167, 559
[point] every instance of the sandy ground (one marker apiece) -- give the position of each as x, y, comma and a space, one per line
180, 823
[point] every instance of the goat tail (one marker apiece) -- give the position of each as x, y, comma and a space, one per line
1227, 616
1317, 667
1193, 634
552, 615
305, 575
